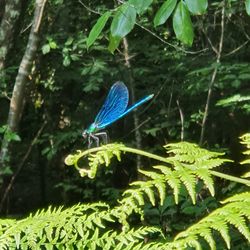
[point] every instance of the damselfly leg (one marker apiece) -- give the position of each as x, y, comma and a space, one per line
95, 137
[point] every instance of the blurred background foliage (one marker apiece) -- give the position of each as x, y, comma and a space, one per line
70, 81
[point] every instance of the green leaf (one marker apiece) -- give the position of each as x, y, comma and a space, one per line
161, 187
164, 12
123, 21
189, 181
15, 137
182, 23
247, 4
3, 129
69, 41
97, 29
113, 43
197, 7
140, 5
52, 44
66, 61
204, 174
222, 228
46, 49
150, 195
17, 237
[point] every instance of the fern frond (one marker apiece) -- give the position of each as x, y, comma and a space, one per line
205, 176
172, 180
194, 161
96, 157
238, 197
233, 213
221, 226
158, 181
194, 156
190, 152
245, 140
188, 179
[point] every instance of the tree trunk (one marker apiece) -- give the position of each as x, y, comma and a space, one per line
8, 16
18, 94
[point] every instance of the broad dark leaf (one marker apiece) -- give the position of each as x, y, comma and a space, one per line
247, 4
197, 7
97, 29
123, 21
113, 43
164, 12
140, 5
182, 23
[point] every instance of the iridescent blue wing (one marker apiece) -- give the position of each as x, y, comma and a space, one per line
114, 106
140, 102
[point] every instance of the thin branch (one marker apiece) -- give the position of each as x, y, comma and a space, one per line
89, 9
28, 26
169, 44
210, 42
140, 125
13, 178
211, 84
4, 94
170, 100
37, 26
182, 120
237, 49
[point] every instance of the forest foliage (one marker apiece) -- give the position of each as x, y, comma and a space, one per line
58, 60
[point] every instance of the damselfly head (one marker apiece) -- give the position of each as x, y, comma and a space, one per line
85, 134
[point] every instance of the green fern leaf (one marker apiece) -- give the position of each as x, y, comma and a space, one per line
152, 175
220, 226
150, 193
107, 156
161, 187
172, 180
207, 235
242, 207
205, 175
193, 242
17, 238
210, 163
190, 153
188, 179
139, 197
134, 195
238, 197
238, 221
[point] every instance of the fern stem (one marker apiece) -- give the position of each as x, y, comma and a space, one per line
158, 158
230, 178
146, 154
162, 159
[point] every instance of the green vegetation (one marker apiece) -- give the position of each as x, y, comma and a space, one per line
58, 60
